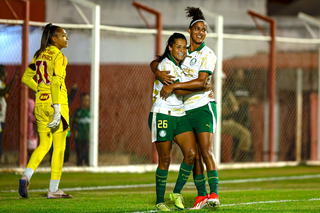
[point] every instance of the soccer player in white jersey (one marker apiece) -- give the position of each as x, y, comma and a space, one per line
200, 108
168, 121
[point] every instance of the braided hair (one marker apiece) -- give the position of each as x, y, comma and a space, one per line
195, 13
48, 32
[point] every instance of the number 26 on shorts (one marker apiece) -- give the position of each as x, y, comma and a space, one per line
162, 124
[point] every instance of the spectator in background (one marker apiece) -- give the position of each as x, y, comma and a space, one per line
244, 97
230, 107
4, 93
81, 129
71, 96
32, 130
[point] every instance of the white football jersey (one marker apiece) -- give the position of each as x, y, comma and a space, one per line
201, 60
173, 104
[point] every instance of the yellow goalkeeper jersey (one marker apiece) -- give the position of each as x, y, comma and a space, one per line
50, 62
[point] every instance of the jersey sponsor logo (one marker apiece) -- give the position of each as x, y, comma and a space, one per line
162, 133
208, 125
44, 97
193, 61
192, 98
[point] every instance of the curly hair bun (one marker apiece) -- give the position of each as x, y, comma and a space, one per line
195, 13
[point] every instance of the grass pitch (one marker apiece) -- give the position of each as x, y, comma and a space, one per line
287, 189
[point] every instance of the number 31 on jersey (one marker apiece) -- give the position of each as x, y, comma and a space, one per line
44, 76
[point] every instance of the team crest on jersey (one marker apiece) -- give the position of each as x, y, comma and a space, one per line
44, 97
193, 61
162, 133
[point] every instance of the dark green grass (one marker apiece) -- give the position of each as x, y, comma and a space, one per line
234, 197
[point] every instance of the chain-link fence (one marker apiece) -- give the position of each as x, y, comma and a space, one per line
245, 109
126, 83
10, 57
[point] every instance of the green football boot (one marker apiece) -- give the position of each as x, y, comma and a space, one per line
162, 207
178, 200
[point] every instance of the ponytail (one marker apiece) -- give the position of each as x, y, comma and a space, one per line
170, 42
196, 15
48, 33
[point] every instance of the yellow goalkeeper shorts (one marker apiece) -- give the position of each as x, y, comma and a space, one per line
44, 115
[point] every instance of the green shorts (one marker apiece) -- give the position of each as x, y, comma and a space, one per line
203, 119
166, 127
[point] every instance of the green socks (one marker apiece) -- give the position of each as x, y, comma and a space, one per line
161, 181
184, 173
213, 181
200, 182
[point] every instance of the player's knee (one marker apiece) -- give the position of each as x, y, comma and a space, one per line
207, 154
45, 142
190, 157
164, 161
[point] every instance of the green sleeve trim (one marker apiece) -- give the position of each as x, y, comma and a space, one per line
176, 81
198, 49
173, 61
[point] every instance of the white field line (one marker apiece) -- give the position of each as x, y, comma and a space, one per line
271, 179
173, 184
152, 167
253, 203
271, 201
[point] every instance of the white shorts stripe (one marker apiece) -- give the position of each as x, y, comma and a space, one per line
214, 125
154, 127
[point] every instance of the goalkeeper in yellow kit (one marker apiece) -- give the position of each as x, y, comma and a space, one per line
51, 107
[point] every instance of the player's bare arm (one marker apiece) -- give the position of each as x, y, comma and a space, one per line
187, 92
197, 84
162, 76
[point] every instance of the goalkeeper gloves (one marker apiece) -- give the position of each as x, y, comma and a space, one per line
56, 116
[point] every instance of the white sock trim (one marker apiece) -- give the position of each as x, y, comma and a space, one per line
54, 184
28, 172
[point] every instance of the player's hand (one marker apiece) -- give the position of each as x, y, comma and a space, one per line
208, 86
56, 116
211, 94
164, 77
165, 91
